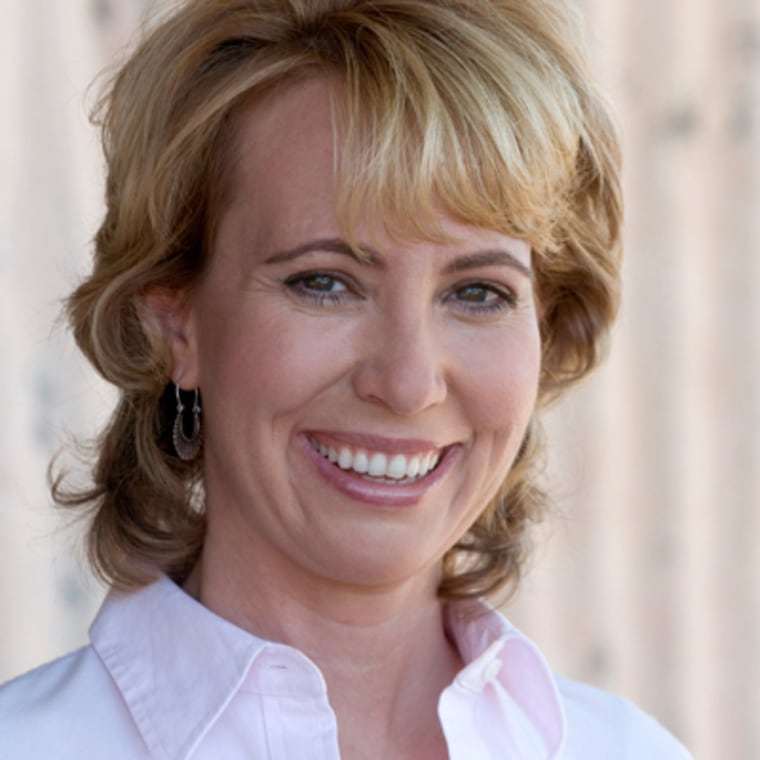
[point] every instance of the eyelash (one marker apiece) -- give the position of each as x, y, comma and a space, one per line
505, 299
297, 283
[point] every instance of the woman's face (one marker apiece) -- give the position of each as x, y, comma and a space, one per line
358, 415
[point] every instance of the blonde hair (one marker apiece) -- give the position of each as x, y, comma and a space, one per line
483, 106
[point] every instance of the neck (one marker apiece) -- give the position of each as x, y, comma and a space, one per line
383, 650
322, 617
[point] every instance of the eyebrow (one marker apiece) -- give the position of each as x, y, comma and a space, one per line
485, 258
330, 245
489, 258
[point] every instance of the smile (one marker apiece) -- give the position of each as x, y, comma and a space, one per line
379, 466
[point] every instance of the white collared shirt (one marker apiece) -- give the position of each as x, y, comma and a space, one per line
164, 678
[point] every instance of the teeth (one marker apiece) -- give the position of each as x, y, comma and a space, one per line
379, 465
361, 463
397, 467
345, 459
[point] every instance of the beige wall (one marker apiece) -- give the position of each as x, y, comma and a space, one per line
652, 581
647, 580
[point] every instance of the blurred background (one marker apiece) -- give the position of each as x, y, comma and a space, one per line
646, 579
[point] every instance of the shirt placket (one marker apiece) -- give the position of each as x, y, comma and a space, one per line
479, 718
297, 717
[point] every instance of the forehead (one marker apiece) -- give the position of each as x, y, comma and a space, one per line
285, 169
283, 151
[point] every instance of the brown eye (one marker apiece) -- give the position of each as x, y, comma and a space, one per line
480, 298
321, 288
322, 283
475, 294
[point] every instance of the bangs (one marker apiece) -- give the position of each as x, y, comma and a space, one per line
478, 115
427, 122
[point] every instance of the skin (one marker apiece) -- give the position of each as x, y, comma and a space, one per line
428, 346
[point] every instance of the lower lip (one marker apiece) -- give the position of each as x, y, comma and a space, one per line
379, 494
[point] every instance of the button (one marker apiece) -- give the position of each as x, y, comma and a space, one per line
482, 670
279, 670
492, 670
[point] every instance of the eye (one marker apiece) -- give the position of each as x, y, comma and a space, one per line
482, 298
320, 283
476, 294
322, 288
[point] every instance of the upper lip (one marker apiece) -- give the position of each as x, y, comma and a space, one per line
374, 442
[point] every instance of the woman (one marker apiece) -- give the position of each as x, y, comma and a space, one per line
350, 249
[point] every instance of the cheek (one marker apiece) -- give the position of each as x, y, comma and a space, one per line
500, 398
269, 360
500, 384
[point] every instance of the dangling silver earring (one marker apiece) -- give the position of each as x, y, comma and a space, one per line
187, 448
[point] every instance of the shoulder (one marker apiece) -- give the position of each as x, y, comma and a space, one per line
68, 708
601, 724
51, 687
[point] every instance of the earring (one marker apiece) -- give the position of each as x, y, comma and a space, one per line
187, 448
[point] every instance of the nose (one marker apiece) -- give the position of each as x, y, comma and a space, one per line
402, 365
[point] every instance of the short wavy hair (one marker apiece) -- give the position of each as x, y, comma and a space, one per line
483, 107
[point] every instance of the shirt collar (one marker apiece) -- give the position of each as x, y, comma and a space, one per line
493, 649
152, 640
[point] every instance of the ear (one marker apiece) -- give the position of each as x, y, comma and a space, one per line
168, 320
